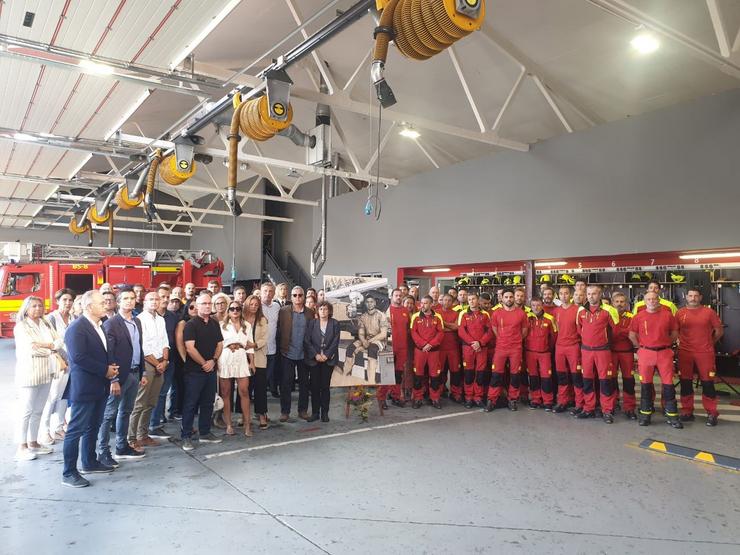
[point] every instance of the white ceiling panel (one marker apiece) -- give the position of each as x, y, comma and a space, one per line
48, 16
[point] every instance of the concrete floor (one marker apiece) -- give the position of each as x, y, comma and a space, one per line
415, 481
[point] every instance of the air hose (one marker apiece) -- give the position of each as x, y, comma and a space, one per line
172, 174
420, 29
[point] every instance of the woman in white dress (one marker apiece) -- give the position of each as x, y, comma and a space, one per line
37, 363
236, 362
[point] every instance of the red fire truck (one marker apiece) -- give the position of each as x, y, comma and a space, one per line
31, 269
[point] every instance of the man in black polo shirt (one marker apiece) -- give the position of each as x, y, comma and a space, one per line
203, 343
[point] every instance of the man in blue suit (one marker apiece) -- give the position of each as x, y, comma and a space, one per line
87, 390
125, 349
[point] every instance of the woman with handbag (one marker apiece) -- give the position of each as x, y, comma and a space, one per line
37, 363
321, 346
236, 362
253, 315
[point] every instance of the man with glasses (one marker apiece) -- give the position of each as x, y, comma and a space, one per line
292, 322
203, 343
109, 303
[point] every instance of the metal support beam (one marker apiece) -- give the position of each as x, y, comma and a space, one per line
426, 153
552, 103
379, 150
718, 23
473, 106
522, 61
34, 221
507, 102
68, 59
626, 11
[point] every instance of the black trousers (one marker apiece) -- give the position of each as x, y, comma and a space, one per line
289, 367
259, 380
320, 380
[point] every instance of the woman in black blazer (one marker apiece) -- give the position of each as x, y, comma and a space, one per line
321, 346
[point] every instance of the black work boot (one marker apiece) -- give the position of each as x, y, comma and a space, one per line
490, 406
644, 419
513, 405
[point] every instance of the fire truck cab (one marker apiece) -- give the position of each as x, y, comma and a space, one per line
41, 270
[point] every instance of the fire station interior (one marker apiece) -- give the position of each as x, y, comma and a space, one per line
477, 145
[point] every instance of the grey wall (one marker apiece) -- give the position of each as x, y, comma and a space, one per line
297, 237
61, 236
667, 180
219, 241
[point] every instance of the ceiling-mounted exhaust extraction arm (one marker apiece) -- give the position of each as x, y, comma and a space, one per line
420, 29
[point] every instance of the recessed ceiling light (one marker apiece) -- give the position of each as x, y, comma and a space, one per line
94, 67
435, 270
545, 264
409, 132
709, 255
645, 43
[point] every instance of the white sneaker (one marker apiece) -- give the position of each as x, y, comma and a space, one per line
42, 450
24, 455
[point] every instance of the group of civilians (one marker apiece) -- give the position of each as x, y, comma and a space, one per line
107, 361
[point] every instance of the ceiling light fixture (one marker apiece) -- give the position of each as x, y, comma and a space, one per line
545, 264
409, 132
93, 67
705, 255
435, 270
645, 43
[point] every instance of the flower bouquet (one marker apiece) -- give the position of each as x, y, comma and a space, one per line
360, 398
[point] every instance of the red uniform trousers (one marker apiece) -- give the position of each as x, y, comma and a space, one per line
647, 361
450, 359
512, 355
427, 364
474, 364
624, 362
400, 360
539, 367
524, 378
705, 366
600, 360
570, 379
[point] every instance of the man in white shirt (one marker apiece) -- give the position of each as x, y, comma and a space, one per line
271, 309
156, 347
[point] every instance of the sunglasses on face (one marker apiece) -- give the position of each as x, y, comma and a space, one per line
191, 307
234, 309
297, 294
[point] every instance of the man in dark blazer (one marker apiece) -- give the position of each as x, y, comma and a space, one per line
125, 349
87, 390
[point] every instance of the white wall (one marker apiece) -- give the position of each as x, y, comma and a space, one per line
667, 180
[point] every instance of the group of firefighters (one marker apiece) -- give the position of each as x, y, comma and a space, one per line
556, 354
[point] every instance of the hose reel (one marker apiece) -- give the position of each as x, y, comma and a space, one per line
420, 29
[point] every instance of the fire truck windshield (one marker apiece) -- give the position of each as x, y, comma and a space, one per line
20, 283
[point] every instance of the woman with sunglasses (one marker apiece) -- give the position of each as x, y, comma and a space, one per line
236, 362
254, 317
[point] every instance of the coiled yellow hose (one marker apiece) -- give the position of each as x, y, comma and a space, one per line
172, 174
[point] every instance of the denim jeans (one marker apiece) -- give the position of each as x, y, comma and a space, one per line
158, 413
118, 408
200, 393
82, 430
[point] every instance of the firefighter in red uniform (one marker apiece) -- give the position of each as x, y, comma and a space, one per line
427, 332
400, 319
568, 354
623, 354
474, 329
436, 299
699, 328
548, 300
486, 301
510, 326
520, 300
652, 332
538, 353
449, 350
595, 323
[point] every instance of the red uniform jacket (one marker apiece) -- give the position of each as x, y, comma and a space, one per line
595, 325
542, 333
400, 320
450, 342
474, 326
621, 334
567, 327
427, 329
